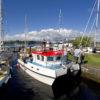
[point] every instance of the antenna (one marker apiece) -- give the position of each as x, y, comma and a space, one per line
1, 26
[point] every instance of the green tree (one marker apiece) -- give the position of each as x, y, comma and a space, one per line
85, 41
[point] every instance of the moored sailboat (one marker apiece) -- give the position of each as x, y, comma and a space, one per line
4, 55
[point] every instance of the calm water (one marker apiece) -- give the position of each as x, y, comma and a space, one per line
23, 87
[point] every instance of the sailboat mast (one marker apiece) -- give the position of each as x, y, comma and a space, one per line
60, 20
26, 30
97, 17
1, 26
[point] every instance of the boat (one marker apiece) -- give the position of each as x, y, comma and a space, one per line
4, 71
4, 54
50, 68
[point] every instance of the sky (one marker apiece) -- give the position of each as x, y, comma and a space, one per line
44, 14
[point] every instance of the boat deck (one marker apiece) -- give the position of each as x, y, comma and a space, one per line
52, 66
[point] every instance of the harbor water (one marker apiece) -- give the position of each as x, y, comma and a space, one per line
23, 87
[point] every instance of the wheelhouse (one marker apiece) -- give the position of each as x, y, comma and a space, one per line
50, 59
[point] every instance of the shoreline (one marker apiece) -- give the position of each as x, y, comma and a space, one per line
92, 73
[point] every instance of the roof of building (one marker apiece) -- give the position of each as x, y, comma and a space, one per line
49, 53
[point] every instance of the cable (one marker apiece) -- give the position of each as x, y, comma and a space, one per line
88, 22
90, 30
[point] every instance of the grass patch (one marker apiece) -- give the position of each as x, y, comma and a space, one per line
93, 60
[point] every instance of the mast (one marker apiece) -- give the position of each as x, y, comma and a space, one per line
26, 30
97, 18
1, 27
60, 20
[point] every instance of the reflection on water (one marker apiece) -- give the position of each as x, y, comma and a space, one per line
23, 87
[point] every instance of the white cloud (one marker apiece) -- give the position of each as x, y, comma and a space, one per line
48, 34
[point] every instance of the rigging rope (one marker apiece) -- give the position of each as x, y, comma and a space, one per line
90, 30
88, 22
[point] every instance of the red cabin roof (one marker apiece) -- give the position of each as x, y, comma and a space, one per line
49, 53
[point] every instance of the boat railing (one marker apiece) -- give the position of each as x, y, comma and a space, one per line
53, 65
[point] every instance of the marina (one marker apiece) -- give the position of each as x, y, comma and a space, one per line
43, 63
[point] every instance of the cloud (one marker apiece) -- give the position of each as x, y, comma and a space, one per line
48, 34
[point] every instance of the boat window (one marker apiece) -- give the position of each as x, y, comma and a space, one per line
49, 58
58, 58
42, 58
38, 57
